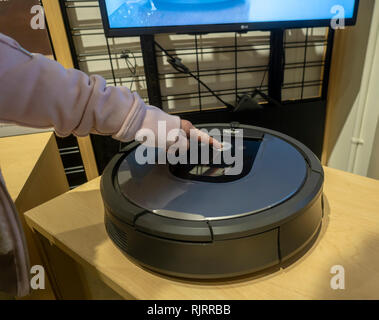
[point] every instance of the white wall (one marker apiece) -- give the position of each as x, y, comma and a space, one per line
373, 170
367, 121
351, 94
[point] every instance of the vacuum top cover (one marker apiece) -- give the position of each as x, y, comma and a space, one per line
273, 171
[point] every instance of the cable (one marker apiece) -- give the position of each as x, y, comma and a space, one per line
266, 97
177, 64
125, 54
263, 80
261, 93
260, 87
110, 60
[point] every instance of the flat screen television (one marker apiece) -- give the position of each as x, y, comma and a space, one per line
139, 17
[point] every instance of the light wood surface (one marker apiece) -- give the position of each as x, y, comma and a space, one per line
13, 164
33, 173
88, 157
332, 122
349, 237
63, 55
18, 158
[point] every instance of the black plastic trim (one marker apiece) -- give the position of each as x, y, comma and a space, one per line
181, 230
197, 260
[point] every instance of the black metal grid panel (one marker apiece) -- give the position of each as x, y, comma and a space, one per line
305, 61
108, 62
231, 64
93, 53
72, 161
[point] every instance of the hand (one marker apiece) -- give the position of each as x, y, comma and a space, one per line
187, 126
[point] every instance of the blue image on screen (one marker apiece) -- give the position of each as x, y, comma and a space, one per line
158, 13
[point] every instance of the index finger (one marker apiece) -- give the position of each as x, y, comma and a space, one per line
204, 137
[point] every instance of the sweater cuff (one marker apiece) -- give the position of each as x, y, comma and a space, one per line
150, 118
133, 121
164, 126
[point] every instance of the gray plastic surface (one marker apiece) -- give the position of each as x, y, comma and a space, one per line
278, 172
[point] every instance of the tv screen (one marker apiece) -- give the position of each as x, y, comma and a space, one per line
137, 17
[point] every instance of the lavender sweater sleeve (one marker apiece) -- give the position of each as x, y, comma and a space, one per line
38, 92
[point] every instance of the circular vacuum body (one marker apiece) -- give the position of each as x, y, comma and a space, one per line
193, 221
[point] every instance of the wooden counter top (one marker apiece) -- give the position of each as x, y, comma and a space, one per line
18, 157
349, 237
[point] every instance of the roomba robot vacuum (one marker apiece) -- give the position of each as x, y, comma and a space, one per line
194, 221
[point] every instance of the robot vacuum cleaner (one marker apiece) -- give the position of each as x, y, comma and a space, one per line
194, 221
